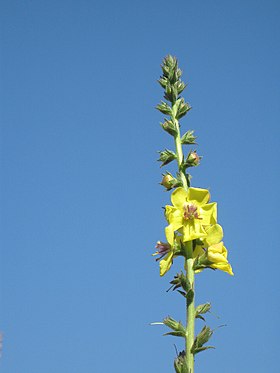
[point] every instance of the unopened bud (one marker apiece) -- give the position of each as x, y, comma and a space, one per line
170, 127
188, 138
180, 363
167, 181
166, 157
192, 160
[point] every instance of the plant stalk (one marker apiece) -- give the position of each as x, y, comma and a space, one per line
190, 306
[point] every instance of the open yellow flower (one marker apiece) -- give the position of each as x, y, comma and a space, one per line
189, 214
211, 252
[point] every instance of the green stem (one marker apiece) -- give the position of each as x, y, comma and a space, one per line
189, 259
179, 151
190, 307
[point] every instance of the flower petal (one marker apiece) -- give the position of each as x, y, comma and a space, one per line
192, 230
179, 197
208, 213
214, 234
226, 267
217, 254
166, 263
169, 232
198, 196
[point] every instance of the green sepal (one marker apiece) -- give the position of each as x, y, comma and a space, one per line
166, 157
200, 317
188, 138
164, 108
180, 181
202, 262
176, 334
178, 329
201, 339
203, 349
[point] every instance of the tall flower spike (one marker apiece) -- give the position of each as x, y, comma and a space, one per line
192, 231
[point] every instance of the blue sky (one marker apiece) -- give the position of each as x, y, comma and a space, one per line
80, 200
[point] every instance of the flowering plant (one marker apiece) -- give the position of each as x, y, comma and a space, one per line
192, 231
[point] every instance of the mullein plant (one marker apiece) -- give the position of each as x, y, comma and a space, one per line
192, 231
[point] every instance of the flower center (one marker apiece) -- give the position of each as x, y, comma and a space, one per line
190, 211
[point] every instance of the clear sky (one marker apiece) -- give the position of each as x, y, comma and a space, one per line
80, 200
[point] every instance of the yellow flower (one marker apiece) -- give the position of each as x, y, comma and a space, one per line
217, 255
211, 252
189, 214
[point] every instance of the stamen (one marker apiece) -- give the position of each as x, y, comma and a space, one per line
190, 211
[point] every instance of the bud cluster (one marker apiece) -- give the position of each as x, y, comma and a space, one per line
181, 281
176, 108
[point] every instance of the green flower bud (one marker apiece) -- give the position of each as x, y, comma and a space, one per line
202, 309
167, 181
180, 86
163, 82
180, 280
166, 157
193, 159
178, 329
188, 138
183, 108
170, 127
171, 93
201, 339
164, 108
180, 363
